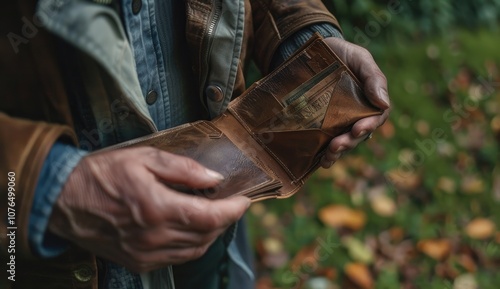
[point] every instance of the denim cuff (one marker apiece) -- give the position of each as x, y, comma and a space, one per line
58, 165
294, 42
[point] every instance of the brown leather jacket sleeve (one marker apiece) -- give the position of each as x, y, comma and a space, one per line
274, 21
24, 146
34, 113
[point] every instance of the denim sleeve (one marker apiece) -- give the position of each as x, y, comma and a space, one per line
294, 42
58, 165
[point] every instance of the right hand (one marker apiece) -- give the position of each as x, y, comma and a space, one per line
115, 205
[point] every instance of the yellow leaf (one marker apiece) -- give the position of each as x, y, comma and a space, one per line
480, 228
383, 205
358, 251
472, 185
447, 185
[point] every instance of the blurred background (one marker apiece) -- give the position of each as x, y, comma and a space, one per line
418, 205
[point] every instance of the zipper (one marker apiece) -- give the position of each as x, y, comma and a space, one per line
207, 46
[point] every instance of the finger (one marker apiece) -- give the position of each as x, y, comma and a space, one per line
342, 144
181, 170
165, 237
204, 215
367, 125
362, 64
325, 163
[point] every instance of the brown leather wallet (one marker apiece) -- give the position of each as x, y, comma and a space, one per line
272, 137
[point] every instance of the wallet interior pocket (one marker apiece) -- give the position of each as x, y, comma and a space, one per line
297, 152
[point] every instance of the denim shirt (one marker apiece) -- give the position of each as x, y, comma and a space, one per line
158, 48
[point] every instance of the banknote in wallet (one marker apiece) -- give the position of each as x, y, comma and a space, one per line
272, 137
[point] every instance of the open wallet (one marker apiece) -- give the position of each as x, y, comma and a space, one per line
272, 137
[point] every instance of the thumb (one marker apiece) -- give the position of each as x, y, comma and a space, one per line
181, 170
211, 215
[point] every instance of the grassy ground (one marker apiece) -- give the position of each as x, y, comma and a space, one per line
419, 204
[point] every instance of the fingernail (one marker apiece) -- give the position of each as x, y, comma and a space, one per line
341, 148
384, 97
362, 133
214, 175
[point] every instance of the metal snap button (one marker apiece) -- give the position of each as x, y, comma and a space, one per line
83, 273
214, 93
136, 6
151, 97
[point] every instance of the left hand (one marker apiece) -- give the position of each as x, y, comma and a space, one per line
362, 64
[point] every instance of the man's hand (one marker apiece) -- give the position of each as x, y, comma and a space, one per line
361, 63
115, 204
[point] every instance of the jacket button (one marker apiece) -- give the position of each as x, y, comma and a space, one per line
214, 93
83, 273
151, 97
136, 6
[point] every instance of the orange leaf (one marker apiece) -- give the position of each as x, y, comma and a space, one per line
360, 275
405, 177
480, 228
437, 249
337, 216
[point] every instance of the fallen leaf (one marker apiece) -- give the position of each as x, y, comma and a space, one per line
357, 250
360, 275
305, 255
337, 216
422, 127
272, 245
274, 255
397, 234
465, 281
446, 185
258, 209
382, 205
320, 283
405, 177
495, 124
480, 228
472, 185
467, 262
264, 282
269, 220
437, 249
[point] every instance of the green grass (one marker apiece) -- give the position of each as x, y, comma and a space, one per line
424, 100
